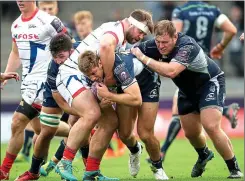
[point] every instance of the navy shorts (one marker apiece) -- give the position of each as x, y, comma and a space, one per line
48, 100
212, 94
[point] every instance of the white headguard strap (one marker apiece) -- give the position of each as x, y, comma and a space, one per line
139, 25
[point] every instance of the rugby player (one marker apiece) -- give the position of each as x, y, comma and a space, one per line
197, 20
31, 33
201, 94
106, 39
135, 84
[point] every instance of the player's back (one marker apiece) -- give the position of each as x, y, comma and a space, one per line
92, 42
32, 37
198, 21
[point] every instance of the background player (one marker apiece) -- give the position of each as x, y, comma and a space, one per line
198, 19
35, 58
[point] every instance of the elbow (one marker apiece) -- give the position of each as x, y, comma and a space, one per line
172, 75
105, 47
234, 31
137, 101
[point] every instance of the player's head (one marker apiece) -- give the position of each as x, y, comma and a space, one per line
26, 6
141, 24
60, 47
50, 7
90, 64
165, 36
83, 21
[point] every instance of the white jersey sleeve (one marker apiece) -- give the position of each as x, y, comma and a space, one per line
55, 26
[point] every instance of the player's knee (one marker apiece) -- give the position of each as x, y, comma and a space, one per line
92, 116
211, 128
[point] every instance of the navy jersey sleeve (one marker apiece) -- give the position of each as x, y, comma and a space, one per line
177, 15
53, 70
186, 54
124, 71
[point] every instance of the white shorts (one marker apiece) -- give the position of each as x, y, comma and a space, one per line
70, 84
32, 92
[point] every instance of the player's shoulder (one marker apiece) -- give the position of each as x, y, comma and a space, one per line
148, 44
44, 17
185, 40
16, 23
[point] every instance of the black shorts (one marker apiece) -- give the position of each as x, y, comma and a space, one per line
212, 94
48, 100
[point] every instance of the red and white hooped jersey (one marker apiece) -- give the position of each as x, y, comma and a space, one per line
92, 42
32, 37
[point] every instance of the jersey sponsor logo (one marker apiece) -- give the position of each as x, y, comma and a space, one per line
210, 97
57, 24
123, 75
26, 36
31, 26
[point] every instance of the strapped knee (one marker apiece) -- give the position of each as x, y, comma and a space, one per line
51, 120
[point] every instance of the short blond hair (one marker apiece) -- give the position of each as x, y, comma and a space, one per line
164, 27
87, 61
80, 15
47, 2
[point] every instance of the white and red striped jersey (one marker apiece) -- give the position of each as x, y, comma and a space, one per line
32, 37
92, 42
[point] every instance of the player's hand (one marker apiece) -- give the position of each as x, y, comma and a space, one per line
9, 75
137, 52
105, 103
102, 90
109, 80
242, 37
217, 52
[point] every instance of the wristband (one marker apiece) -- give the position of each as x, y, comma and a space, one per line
148, 61
223, 46
143, 57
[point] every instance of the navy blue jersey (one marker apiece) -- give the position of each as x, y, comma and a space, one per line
198, 21
53, 70
199, 67
128, 69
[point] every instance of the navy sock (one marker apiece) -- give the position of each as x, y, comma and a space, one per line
27, 142
134, 149
84, 151
60, 150
173, 131
225, 110
157, 164
36, 164
232, 164
202, 152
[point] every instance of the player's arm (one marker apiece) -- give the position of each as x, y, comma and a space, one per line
130, 97
171, 69
224, 24
108, 45
13, 60
63, 104
242, 37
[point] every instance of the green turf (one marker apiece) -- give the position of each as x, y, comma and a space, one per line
178, 164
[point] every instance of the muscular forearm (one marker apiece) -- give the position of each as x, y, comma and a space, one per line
161, 68
107, 57
124, 98
226, 38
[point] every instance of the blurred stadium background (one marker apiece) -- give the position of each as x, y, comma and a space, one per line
232, 62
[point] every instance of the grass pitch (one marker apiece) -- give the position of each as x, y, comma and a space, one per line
178, 164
